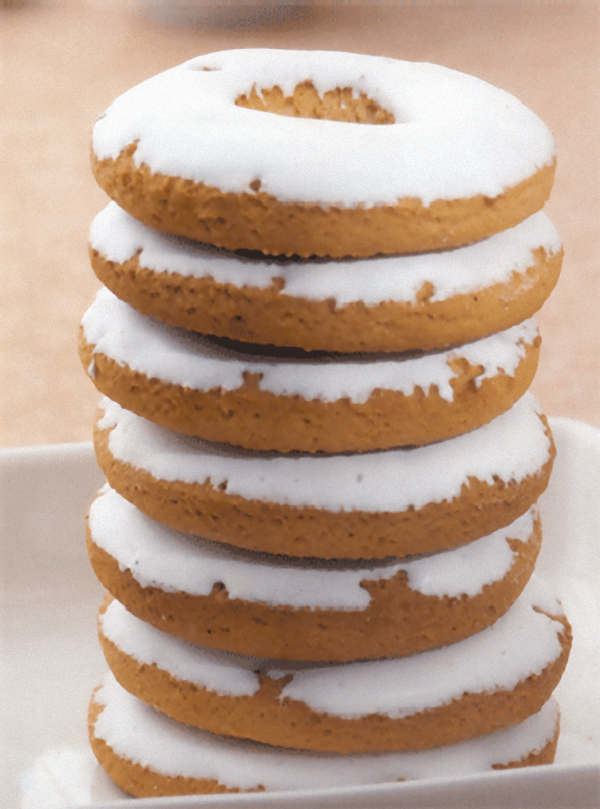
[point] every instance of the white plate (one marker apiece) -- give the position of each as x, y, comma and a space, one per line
50, 659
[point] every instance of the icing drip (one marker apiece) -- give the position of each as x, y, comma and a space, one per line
191, 360
511, 447
118, 237
161, 558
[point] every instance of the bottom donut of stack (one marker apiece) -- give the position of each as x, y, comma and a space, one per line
147, 754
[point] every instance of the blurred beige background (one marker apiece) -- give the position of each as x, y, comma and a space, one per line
62, 63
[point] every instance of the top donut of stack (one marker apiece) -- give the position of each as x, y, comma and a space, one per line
433, 159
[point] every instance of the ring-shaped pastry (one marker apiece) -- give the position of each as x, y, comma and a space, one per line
389, 303
274, 606
288, 400
178, 760
353, 506
364, 155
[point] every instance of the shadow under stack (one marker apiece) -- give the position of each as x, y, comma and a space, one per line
319, 529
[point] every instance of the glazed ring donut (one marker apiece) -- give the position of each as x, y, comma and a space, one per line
293, 401
414, 157
275, 607
393, 303
354, 708
149, 755
363, 506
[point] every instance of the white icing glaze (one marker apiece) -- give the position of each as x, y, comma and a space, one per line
511, 447
521, 643
148, 645
137, 732
197, 362
161, 558
118, 237
453, 136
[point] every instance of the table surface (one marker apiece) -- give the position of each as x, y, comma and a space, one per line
62, 63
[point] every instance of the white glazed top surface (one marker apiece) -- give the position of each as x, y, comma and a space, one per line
163, 559
185, 358
511, 447
139, 733
521, 643
453, 136
117, 236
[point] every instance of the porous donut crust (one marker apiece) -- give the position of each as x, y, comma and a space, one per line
266, 717
398, 621
143, 782
258, 419
258, 525
259, 221
270, 316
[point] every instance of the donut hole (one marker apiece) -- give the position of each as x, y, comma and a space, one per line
335, 105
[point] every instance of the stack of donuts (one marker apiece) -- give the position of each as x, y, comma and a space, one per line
314, 343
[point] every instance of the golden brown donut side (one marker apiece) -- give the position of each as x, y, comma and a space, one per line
142, 782
265, 717
258, 221
260, 420
305, 531
398, 621
269, 316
